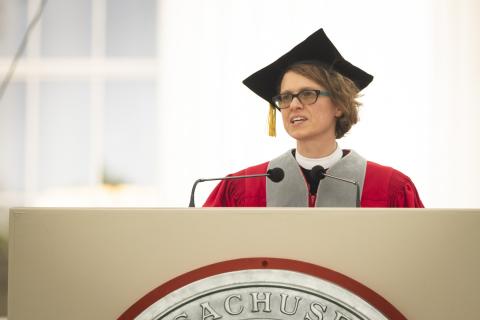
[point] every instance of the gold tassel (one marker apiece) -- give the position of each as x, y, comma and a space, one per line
272, 121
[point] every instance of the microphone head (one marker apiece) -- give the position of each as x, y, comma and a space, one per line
276, 174
318, 172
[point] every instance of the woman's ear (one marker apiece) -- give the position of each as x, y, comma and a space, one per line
338, 112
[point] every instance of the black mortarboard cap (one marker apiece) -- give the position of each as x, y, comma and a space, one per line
316, 47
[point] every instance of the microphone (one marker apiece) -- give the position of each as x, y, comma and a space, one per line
275, 174
320, 173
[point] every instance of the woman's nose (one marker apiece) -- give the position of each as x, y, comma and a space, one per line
296, 104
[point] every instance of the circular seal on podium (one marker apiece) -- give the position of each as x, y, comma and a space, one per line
262, 289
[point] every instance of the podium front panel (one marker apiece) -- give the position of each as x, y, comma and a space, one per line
95, 263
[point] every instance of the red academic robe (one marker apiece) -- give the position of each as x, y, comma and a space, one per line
383, 187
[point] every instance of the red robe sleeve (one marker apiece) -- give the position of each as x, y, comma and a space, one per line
248, 192
386, 187
221, 196
403, 194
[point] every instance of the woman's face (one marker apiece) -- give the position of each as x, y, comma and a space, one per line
314, 122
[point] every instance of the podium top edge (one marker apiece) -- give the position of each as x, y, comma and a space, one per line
179, 210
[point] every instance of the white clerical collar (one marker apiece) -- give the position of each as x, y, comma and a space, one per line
326, 162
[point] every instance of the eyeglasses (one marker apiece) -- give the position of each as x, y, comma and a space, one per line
283, 101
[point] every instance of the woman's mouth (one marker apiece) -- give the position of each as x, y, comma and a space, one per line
297, 119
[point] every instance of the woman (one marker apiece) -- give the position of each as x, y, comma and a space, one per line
316, 91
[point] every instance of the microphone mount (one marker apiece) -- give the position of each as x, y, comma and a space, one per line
275, 174
320, 172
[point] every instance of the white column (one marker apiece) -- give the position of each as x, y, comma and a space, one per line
97, 91
32, 92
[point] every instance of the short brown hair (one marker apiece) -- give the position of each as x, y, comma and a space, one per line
343, 92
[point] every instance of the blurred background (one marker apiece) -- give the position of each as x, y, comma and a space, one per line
126, 103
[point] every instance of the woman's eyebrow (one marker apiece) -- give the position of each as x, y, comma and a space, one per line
299, 90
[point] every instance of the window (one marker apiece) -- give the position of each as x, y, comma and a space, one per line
81, 110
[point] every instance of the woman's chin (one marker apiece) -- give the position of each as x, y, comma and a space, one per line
302, 135
299, 135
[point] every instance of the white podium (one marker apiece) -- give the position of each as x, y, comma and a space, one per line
88, 263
